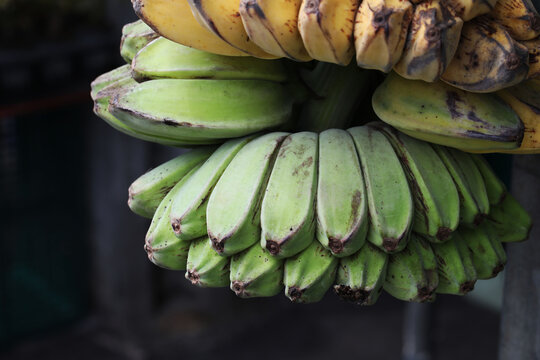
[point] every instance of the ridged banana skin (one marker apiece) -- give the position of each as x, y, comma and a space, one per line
528, 92
161, 245
519, 17
530, 115
487, 253
233, 212
165, 59
203, 109
436, 199
256, 273
309, 274
147, 191
135, 36
469, 9
474, 204
272, 25
108, 78
223, 19
431, 43
342, 214
101, 109
487, 59
163, 16
188, 212
534, 57
380, 31
390, 201
411, 274
457, 274
206, 268
360, 277
288, 209
444, 115
509, 221
495, 188
326, 27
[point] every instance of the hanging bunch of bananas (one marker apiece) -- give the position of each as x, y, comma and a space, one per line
362, 210
475, 45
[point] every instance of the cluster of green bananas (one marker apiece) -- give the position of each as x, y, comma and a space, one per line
363, 209
175, 95
479, 46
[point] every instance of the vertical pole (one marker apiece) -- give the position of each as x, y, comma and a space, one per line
520, 318
416, 324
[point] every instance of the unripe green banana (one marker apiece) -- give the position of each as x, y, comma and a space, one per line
206, 268
412, 273
256, 273
360, 277
164, 59
135, 36
233, 212
442, 114
309, 274
509, 220
147, 192
469, 182
203, 109
188, 212
436, 199
108, 78
495, 188
457, 274
162, 246
342, 215
389, 199
487, 252
288, 208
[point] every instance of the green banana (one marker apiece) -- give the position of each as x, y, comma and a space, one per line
487, 252
470, 184
436, 199
205, 268
232, 214
457, 274
162, 246
203, 109
342, 215
108, 78
288, 208
442, 114
188, 212
147, 192
256, 273
135, 36
411, 274
495, 188
509, 220
389, 199
164, 59
309, 274
360, 277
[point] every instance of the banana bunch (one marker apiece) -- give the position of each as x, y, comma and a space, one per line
179, 96
507, 121
357, 210
478, 46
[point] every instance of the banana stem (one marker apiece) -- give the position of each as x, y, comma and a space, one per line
337, 93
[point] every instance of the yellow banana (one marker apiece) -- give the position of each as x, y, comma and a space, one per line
519, 17
173, 19
431, 43
380, 31
272, 25
326, 27
534, 57
223, 19
469, 9
487, 59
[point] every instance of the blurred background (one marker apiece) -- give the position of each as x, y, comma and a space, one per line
74, 279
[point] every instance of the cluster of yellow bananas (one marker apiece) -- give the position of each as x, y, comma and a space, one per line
426, 40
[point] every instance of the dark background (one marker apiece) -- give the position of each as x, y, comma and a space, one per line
74, 279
